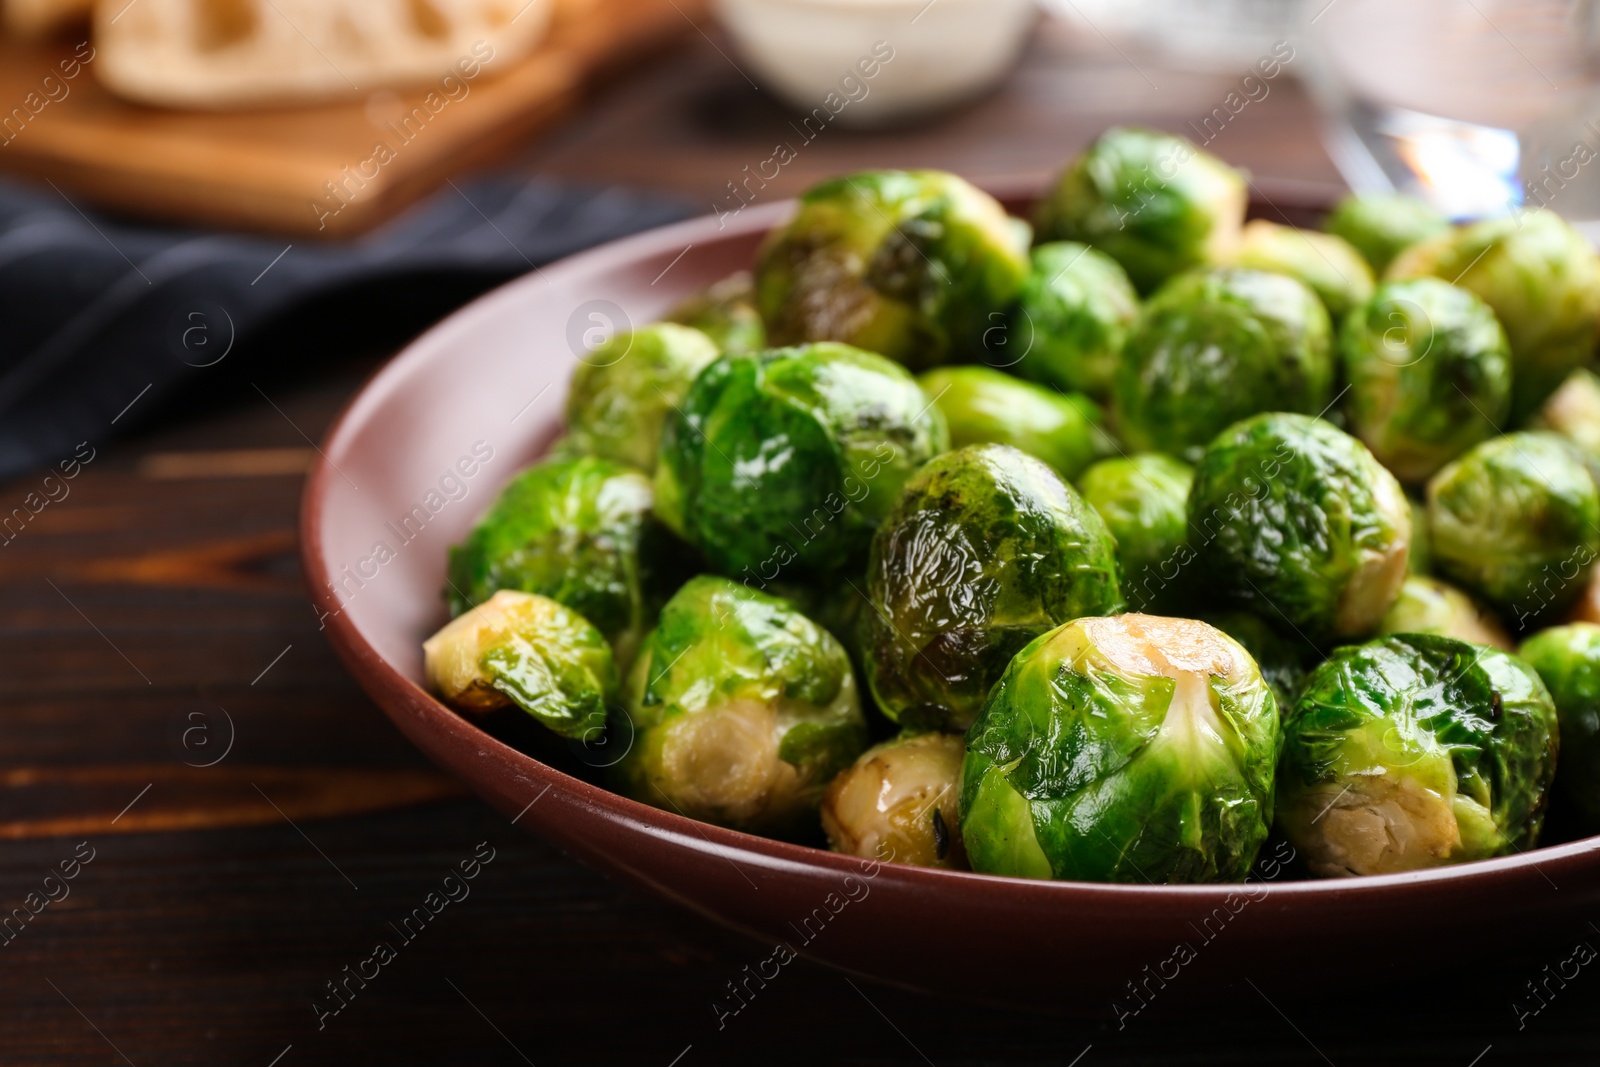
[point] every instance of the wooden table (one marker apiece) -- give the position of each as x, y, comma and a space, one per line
168, 708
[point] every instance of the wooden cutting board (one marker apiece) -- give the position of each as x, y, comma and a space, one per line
312, 171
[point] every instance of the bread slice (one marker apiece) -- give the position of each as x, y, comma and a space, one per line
31, 19
247, 53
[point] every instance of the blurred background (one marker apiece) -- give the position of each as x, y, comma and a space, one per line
218, 217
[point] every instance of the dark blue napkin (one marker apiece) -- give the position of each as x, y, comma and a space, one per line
100, 318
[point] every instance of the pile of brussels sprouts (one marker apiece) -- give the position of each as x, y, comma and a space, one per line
1097, 548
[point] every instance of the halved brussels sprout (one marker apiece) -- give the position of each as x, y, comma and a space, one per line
899, 803
1429, 372
1071, 319
1291, 518
743, 710
621, 392
1133, 748
1151, 201
1429, 606
1568, 661
579, 531
726, 313
984, 406
1279, 658
1415, 751
1380, 225
792, 455
1327, 264
1573, 411
1514, 520
1541, 277
916, 265
1144, 502
1214, 346
986, 549
526, 650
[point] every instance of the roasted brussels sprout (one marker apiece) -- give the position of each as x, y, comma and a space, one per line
916, 265
984, 406
526, 650
623, 390
1071, 319
1380, 225
1420, 559
1514, 520
986, 549
1123, 749
1429, 606
1414, 751
743, 710
1328, 265
579, 531
1541, 277
1279, 658
1151, 201
1429, 374
1573, 411
1292, 519
1568, 661
792, 455
899, 802
1143, 500
726, 313
1214, 346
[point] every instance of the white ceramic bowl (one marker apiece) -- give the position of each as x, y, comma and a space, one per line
868, 62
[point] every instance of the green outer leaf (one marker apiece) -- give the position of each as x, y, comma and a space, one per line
1429, 374
916, 265
1515, 520
984, 406
986, 549
789, 458
1568, 660
1463, 721
1214, 346
726, 313
621, 392
1380, 225
1285, 512
1110, 793
1143, 500
563, 674
1327, 264
1071, 320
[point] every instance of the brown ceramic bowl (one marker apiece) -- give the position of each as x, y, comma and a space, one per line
493, 376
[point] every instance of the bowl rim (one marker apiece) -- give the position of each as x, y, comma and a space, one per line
386, 684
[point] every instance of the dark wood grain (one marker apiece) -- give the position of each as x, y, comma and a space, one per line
165, 592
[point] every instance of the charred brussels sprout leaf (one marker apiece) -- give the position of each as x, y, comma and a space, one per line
792, 456
579, 531
743, 710
984, 406
1071, 320
1568, 660
1278, 657
1514, 520
1215, 346
1429, 373
898, 803
1293, 520
529, 651
1415, 751
1573, 411
726, 312
1123, 749
1143, 500
916, 265
1429, 606
1541, 277
622, 391
986, 549
1328, 265
1381, 225
1151, 201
